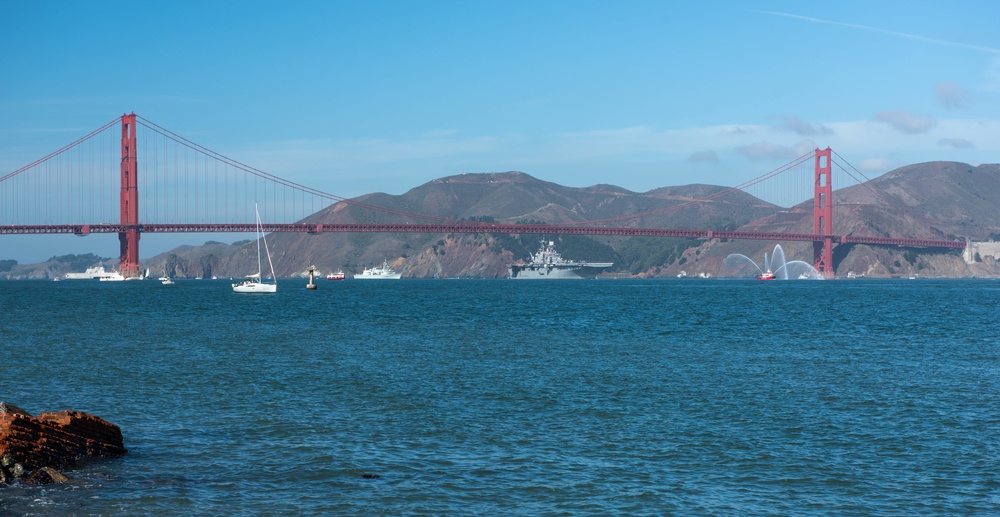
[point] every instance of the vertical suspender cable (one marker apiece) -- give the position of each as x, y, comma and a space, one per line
148, 182
156, 179
38, 194
71, 190
165, 182
192, 215
90, 184
99, 183
197, 186
14, 206
75, 183
176, 193
100, 191
80, 161
59, 200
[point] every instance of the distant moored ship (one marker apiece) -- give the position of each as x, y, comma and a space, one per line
548, 264
94, 273
384, 272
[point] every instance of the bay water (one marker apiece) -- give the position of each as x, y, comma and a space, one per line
498, 397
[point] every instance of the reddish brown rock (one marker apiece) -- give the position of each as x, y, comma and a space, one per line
54, 440
47, 475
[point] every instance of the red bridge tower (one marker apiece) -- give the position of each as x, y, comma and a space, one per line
129, 237
823, 215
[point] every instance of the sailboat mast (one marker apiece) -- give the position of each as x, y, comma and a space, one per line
260, 267
260, 235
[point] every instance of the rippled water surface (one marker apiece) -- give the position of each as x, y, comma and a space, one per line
493, 397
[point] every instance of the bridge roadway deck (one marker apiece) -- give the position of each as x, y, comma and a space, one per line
536, 229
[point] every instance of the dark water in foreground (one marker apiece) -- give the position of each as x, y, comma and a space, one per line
467, 397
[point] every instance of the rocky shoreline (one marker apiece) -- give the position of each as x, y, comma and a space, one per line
35, 449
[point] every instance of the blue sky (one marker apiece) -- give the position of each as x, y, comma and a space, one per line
357, 97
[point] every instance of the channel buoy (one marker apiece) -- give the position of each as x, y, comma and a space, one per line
312, 274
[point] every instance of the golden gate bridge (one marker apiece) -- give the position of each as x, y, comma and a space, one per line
92, 185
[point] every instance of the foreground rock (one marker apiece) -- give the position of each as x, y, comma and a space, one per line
34, 448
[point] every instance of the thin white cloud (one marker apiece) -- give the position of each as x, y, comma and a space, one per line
951, 95
440, 133
361, 151
804, 147
55, 130
766, 151
897, 34
703, 157
874, 165
631, 157
737, 130
993, 75
802, 128
957, 143
904, 121
908, 133
878, 139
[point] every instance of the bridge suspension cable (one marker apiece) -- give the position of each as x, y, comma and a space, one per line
902, 212
188, 187
281, 181
711, 197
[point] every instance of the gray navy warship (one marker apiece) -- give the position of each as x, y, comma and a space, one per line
548, 264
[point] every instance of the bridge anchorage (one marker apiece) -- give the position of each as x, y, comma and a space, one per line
232, 184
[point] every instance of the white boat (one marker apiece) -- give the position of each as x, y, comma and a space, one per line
165, 280
384, 272
113, 277
253, 283
339, 275
92, 273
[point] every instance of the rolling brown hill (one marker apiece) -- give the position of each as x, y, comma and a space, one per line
939, 200
504, 197
934, 200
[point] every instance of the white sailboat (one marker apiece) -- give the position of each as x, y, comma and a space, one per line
253, 283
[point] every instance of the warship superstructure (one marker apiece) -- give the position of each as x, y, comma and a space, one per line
548, 264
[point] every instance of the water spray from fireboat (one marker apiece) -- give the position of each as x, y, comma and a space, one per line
775, 267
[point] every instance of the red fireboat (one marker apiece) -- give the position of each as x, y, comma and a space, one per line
766, 275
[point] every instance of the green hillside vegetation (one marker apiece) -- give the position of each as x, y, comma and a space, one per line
7, 265
78, 262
